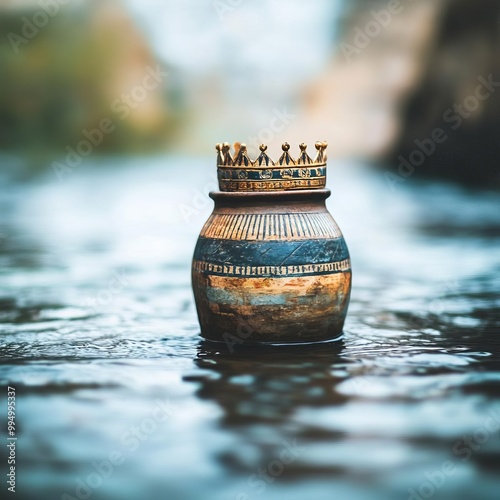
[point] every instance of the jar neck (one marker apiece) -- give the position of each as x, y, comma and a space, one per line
276, 202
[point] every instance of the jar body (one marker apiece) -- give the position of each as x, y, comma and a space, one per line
271, 267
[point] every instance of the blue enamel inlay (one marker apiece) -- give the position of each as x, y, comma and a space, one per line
271, 253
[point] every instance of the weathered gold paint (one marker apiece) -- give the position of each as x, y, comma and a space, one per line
313, 307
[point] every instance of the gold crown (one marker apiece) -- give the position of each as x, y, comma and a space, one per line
238, 172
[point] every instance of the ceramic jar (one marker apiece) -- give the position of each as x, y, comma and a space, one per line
271, 265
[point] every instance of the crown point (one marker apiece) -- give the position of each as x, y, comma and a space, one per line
220, 156
227, 160
321, 146
286, 159
241, 158
263, 159
304, 158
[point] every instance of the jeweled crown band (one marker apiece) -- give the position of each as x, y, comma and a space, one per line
240, 173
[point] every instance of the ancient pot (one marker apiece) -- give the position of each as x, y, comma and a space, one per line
271, 265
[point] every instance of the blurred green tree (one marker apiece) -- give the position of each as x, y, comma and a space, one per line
63, 76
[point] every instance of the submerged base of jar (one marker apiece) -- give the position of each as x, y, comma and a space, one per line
271, 268
232, 341
244, 346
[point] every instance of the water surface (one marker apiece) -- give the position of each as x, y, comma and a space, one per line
99, 336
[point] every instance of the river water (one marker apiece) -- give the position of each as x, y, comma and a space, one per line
119, 398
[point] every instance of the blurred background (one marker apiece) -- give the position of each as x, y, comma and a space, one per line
109, 113
371, 77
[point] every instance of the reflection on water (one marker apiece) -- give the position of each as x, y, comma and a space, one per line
99, 336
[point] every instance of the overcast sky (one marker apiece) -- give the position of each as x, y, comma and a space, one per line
278, 37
